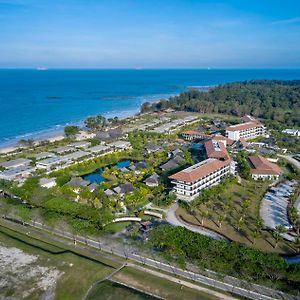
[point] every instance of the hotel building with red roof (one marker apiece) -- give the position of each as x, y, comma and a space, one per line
189, 182
261, 168
248, 130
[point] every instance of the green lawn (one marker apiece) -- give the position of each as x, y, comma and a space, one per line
239, 193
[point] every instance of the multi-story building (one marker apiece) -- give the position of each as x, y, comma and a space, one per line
248, 130
190, 182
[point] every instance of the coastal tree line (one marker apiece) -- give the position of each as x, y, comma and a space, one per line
274, 100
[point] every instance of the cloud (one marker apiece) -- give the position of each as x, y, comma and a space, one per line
287, 21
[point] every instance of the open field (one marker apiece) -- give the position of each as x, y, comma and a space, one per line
109, 290
71, 274
67, 275
158, 286
237, 193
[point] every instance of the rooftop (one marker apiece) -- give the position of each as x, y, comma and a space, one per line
43, 155
199, 170
119, 144
219, 137
260, 165
216, 149
243, 126
98, 148
78, 181
76, 155
15, 163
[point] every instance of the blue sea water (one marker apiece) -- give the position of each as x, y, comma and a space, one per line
34, 102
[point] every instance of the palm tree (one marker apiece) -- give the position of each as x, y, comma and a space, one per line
297, 225
221, 218
277, 234
240, 223
204, 214
245, 205
255, 235
297, 243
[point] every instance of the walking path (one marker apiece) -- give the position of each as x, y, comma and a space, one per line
182, 282
175, 221
292, 160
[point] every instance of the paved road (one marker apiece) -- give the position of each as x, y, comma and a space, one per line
292, 160
251, 291
174, 220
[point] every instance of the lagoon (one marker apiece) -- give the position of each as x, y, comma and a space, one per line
96, 176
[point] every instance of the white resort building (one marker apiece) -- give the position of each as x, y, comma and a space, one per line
188, 183
248, 130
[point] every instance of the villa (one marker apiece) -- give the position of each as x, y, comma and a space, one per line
120, 145
17, 173
16, 163
47, 182
261, 168
152, 181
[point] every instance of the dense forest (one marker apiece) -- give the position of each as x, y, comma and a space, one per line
275, 100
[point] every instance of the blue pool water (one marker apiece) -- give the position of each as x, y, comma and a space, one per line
34, 101
96, 176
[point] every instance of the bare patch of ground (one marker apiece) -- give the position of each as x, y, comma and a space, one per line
25, 276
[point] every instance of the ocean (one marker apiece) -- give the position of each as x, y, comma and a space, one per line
41, 102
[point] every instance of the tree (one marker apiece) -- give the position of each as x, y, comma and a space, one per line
276, 101
245, 205
277, 234
204, 214
95, 123
240, 223
26, 143
221, 218
255, 235
297, 225
71, 131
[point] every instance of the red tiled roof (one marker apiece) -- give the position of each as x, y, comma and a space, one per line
261, 165
216, 149
224, 138
244, 126
200, 170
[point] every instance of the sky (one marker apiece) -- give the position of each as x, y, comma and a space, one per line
150, 33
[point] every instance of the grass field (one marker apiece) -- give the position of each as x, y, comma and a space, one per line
158, 286
78, 273
109, 290
250, 191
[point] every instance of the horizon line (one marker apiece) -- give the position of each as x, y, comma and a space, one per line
148, 68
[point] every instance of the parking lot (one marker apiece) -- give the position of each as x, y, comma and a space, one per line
273, 209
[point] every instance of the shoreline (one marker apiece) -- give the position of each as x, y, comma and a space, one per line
54, 134
57, 131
